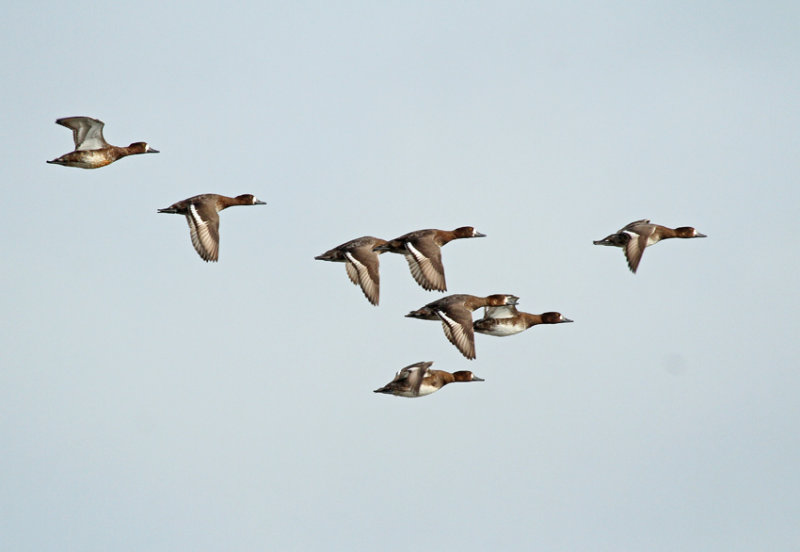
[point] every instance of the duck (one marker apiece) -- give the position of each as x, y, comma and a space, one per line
639, 234
455, 312
361, 262
91, 149
418, 380
423, 252
202, 214
507, 320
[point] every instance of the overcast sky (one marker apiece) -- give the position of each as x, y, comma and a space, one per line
151, 401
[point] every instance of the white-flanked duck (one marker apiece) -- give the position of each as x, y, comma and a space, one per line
418, 380
455, 312
507, 320
91, 149
639, 234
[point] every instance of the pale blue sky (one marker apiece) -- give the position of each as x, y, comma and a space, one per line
151, 401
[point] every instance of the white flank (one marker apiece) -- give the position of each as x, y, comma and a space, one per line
502, 330
426, 389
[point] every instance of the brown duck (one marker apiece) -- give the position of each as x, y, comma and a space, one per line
91, 149
202, 214
418, 380
361, 262
639, 234
455, 312
422, 250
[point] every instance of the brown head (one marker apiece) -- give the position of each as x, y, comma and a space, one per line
502, 299
248, 199
554, 318
465, 375
141, 147
688, 232
467, 232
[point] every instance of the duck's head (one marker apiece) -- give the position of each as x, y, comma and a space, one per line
688, 232
468, 232
502, 299
465, 375
142, 147
249, 199
554, 318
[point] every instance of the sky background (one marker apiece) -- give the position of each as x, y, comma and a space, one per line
151, 401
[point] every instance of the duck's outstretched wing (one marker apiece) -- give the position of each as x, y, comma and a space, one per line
204, 231
425, 262
87, 133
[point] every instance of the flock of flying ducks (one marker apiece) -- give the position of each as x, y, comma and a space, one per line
421, 249
201, 211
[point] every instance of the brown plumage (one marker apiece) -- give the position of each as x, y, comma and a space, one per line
202, 215
455, 312
422, 250
418, 380
507, 320
636, 236
91, 149
361, 262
